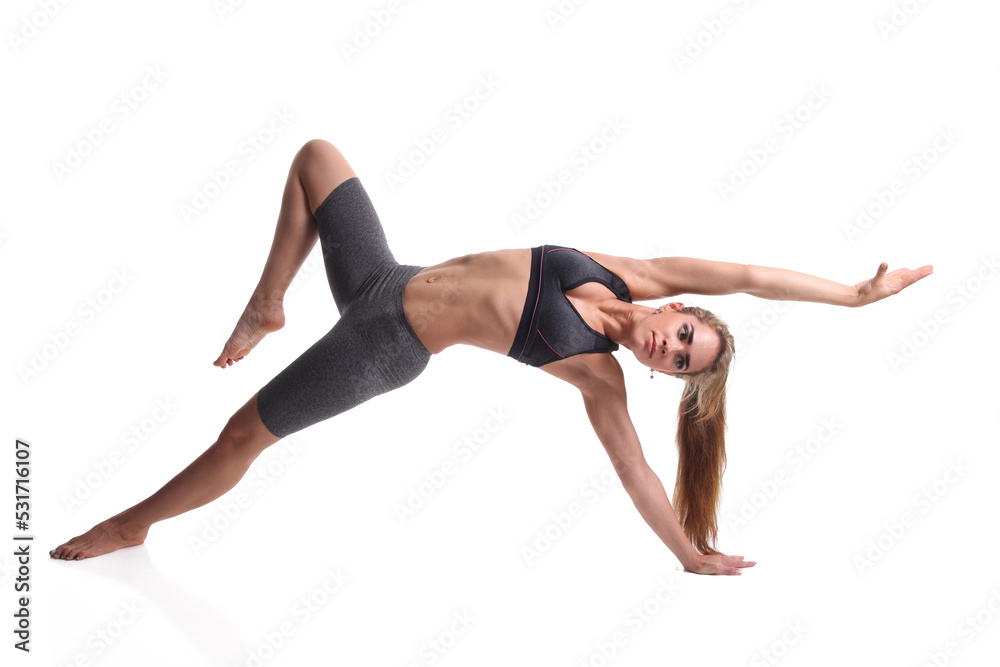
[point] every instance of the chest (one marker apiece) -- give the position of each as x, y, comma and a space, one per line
586, 299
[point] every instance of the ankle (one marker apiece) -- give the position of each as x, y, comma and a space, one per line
261, 296
127, 527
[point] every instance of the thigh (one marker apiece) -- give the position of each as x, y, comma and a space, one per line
369, 351
354, 246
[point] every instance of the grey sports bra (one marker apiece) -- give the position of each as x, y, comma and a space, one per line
551, 328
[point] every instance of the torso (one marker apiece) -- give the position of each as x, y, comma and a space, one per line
477, 299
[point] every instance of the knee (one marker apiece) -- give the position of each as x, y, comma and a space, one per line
317, 151
235, 436
320, 168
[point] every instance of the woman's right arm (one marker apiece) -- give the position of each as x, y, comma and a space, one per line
611, 422
605, 401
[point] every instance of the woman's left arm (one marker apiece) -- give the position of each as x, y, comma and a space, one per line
782, 284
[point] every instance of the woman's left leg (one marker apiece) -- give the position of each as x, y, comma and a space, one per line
212, 474
317, 169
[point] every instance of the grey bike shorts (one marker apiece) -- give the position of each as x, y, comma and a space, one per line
372, 349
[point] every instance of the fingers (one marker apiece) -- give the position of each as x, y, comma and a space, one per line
729, 565
739, 562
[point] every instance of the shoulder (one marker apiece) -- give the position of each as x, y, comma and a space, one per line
592, 374
635, 273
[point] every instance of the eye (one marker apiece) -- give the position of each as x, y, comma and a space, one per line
683, 331
680, 362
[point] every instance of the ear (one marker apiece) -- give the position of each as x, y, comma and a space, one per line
674, 305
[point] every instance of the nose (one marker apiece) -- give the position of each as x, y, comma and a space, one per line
668, 345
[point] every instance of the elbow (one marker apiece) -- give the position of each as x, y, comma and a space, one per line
633, 471
750, 279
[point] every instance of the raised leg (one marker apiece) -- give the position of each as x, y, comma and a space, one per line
209, 476
316, 170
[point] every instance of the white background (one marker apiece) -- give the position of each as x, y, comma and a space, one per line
330, 505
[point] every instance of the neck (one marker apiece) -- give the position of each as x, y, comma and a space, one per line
618, 319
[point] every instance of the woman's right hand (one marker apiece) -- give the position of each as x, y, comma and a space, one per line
719, 564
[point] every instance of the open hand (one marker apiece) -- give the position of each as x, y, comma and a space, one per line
886, 284
719, 564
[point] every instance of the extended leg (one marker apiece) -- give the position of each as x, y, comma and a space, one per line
209, 476
317, 169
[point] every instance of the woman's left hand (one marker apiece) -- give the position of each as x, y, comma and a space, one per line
886, 284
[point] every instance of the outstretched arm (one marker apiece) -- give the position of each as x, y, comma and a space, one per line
605, 402
665, 277
771, 283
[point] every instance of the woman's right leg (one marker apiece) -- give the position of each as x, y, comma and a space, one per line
368, 352
371, 350
317, 169
212, 474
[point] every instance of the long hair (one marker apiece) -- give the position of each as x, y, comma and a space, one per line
701, 440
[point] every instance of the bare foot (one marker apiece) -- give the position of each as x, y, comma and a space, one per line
261, 317
105, 537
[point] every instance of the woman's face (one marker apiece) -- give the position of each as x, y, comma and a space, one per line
672, 342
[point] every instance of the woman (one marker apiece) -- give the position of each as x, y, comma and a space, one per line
551, 307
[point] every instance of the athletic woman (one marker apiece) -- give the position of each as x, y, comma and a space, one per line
552, 307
